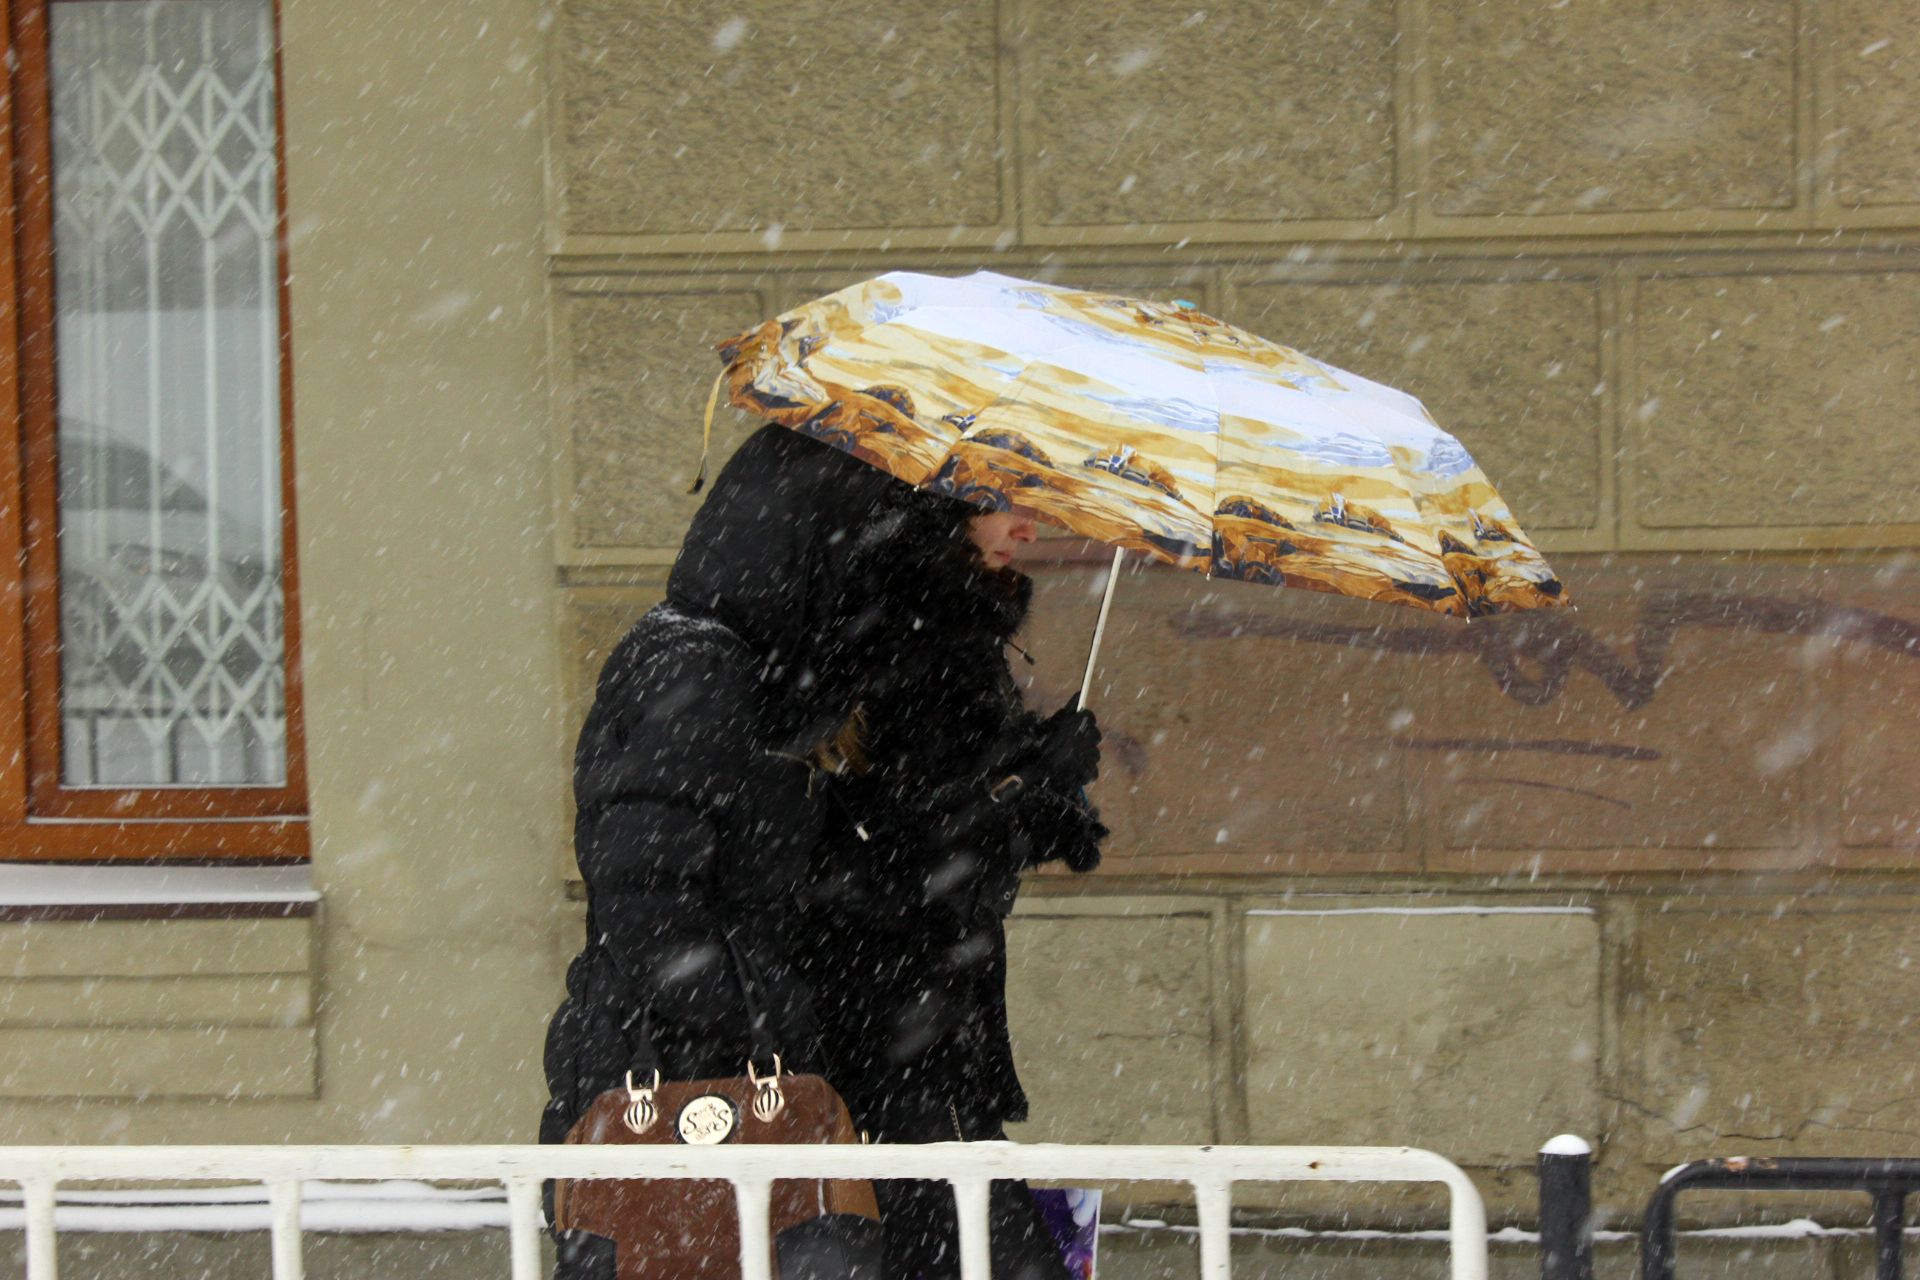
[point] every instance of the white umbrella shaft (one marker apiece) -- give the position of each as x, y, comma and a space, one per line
1100, 627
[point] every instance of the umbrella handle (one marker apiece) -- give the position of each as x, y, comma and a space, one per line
706, 435
1100, 627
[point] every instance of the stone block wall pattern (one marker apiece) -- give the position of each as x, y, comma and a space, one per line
1778, 1024
1000, 123
1113, 1002
1612, 109
1774, 400
1138, 113
633, 448
1866, 88
752, 121
1655, 267
129, 1010
1876, 697
1421, 1023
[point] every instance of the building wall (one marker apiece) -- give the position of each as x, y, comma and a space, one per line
411, 1004
1646, 871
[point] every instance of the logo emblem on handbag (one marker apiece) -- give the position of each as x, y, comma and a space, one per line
706, 1121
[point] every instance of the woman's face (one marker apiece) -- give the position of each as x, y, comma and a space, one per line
999, 534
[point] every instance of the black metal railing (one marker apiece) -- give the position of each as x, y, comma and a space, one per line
1566, 1203
1888, 1181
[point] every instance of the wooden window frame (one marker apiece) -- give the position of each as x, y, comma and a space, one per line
40, 818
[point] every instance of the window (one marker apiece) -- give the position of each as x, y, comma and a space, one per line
146, 568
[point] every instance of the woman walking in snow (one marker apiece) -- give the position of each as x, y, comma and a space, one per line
813, 758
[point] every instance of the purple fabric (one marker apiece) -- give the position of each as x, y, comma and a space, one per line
1073, 1215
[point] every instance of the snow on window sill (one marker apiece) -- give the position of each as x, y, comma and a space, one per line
156, 891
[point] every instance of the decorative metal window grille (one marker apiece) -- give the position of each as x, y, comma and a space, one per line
168, 365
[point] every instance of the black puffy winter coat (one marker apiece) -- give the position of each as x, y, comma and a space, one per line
707, 835
904, 938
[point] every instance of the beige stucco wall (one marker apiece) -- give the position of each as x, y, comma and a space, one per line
1655, 267
410, 1008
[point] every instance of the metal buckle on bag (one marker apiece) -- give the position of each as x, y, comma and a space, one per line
1008, 787
641, 1111
768, 1101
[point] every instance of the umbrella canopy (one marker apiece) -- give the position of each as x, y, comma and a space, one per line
1148, 426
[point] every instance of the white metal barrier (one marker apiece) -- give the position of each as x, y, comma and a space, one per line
969, 1167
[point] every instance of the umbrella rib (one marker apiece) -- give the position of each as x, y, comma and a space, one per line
1219, 439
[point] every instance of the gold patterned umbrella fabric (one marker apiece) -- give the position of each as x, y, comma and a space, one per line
1149, 426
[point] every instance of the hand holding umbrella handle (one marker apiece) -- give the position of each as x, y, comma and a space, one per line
1066, 758
1100, 627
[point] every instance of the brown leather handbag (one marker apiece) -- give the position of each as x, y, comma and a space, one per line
689, 1229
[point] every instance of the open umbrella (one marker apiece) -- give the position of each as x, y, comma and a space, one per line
1145, 425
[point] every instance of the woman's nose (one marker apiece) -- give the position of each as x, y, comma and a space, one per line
1025, 531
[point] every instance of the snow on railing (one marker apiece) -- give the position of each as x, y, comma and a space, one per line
969, 1167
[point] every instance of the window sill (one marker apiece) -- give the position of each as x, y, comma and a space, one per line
123, 892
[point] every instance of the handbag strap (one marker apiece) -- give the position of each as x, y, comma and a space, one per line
759, 1032
646, 1058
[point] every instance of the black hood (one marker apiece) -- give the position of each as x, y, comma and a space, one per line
766, 552
833, 571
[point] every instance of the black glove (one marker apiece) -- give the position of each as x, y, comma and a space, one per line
1064, 827
1067, 756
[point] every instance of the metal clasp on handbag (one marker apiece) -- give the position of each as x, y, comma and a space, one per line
641, 1110
767, 1098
